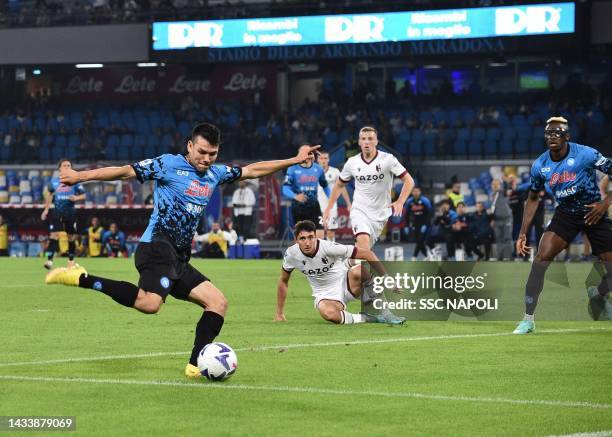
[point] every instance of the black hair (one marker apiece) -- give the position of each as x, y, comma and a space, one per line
304, 226
460, 203
61, 161
207, 131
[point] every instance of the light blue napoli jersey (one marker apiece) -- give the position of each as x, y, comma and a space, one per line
572, 181
181, 195
64, 207
304, 180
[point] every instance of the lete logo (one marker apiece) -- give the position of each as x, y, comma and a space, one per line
198, 190
559, 178
239, 82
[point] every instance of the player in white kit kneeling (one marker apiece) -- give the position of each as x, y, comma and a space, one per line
333, 283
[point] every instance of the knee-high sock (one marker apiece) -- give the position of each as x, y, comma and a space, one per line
52, 248
534, 286
207, 329
71, 250
122, 292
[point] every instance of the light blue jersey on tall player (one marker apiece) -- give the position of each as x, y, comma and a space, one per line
305, 180
572, 181
181, 196
64, 207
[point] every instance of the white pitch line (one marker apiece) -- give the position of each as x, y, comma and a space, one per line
587, 434
298, 346
569, 404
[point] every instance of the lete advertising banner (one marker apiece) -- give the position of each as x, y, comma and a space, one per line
113, 84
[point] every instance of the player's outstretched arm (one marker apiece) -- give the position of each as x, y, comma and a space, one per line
398, 205
264, 168
71, 177
531, 207
281, 296
333, 198
346, 197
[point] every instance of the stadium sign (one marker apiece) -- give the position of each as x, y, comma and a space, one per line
225, 83
449, 24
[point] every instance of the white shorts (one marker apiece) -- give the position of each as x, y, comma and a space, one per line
340, 293
332, 222
361, 224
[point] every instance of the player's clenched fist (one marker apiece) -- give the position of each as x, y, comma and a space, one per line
69, 176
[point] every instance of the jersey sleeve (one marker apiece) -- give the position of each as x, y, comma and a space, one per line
322, 179
346, 174
537, 180
601, 163
78, 189
50, 187
152, 169
229, 174
396, 167
340, 250
287, 262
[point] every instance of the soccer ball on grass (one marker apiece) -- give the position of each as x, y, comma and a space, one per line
217, 361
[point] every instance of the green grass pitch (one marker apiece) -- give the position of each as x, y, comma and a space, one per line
70, 351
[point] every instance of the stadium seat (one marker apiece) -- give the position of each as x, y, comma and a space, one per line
184, 129
478, 134
76, 120
113, 141
102, 120
493, 133
126, 141
418, 135
475, 149
523, 133
429, 148
490, 148
508, 133
537, 147
463, 134
57, 153
505, 148
142, 125
74, 141
460, 149
521, 148
4, 127
415, 149
127, 117
166, 143
168, 123
61, 141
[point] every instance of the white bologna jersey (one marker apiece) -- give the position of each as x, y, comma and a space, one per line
331, 175
373, 183
326, 270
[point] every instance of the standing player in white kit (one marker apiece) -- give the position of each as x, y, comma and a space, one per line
373, 171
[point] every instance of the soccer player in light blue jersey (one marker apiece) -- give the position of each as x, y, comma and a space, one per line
63, 217
301, 187
183, 186
568, 170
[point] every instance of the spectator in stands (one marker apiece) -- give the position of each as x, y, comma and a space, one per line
243, 201
93, 238
443, 221
455, 194
3, 237
502, 220
114, 242
462, 236
480, 227
229, 228
215, 242
419, 211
